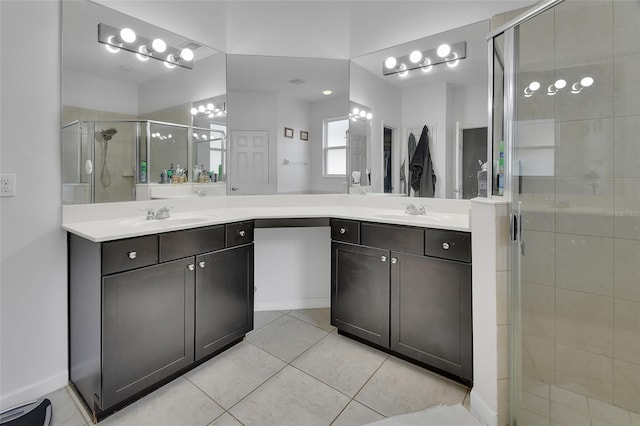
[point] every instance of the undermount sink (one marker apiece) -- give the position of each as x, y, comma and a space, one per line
173, 220
405, 216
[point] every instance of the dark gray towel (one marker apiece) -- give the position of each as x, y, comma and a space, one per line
423, 178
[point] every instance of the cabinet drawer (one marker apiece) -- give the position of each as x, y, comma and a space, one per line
392, 237
123, 255
179, 244
239, 233
345, 230
452, 245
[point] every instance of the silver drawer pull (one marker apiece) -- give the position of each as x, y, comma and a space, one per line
242, 233
201, 264
445, 246
394, 260
191, 267
383, 258
132, 255
343, 231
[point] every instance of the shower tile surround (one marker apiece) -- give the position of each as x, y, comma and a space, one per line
580, 293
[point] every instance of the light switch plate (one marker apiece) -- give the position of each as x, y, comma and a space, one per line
7, 185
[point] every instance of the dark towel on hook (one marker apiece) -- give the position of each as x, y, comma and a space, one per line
423, 178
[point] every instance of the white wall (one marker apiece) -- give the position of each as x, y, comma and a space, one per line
33, 283
294, 177
470, 106
92, 92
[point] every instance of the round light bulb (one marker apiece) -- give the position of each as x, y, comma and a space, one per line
443, 50
194, 111
142, 55
210, 106
169, 62
169, 135
111, 49
195, 135
415, 56
356, 111
426, 65
560, 83
369, 116
363, 113
127, 35
403, 70
453, 63
211, 115
159, 45
390, 62
186, 54
201, 108
534, 85
586, 81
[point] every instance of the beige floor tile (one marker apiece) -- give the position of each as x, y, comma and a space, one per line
286, 337
64, 410
262, 318
399, 387
177, 403
635, 418
357, 414
341, 363
230, 376
291, 397
320, 317
225, 420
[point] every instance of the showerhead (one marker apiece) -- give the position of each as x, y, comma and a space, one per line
108, 133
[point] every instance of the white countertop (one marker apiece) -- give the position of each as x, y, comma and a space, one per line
124, 220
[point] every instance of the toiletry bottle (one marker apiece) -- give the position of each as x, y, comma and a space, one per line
220, 172
143, 172
170, 174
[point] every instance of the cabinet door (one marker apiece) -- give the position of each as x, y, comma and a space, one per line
360, 291
224, 298
147, 327
431, 312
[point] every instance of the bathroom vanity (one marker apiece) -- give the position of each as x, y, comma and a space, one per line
145, 309
151, 299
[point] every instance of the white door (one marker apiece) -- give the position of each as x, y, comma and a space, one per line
249, 165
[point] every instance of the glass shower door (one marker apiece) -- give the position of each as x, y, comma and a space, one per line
576, 179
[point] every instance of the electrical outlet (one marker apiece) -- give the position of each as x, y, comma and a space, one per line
7, 185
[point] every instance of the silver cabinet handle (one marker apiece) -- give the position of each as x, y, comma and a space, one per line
343, 231
201, 264
383, 258
191, 267
394, 260
242, 233
445, 246
132, 255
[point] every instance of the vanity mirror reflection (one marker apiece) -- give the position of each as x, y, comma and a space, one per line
287, 124
128, 93
449, 100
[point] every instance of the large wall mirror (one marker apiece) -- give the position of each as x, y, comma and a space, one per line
144, 109
287, 125
447, 102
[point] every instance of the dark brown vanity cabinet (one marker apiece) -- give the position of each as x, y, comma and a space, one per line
144, 309
390, 290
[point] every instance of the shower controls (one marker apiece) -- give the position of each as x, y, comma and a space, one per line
88, 167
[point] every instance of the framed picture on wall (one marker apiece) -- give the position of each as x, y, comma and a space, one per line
304, 136
288, 133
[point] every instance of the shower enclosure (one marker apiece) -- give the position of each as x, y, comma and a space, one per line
104, 160
571, 124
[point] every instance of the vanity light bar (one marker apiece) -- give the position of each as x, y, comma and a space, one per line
425, 59
172, 56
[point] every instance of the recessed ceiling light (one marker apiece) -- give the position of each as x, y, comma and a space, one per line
327, 92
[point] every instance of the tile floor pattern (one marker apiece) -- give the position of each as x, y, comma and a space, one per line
293, 369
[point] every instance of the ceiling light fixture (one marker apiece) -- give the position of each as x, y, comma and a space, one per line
425, 59
360, 114
327, 92
144, 48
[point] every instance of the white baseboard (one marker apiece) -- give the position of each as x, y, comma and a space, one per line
482, 410
291, 304
34, 391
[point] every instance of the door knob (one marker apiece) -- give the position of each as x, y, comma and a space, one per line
132, 255
383, 258
201, 264
242, 233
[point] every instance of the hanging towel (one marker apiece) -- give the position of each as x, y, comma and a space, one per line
423, 178
411, 149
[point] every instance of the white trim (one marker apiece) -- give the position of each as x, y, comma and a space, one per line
34, 391
482, 410
291, 304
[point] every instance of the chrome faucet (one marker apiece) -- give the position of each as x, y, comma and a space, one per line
163, 212
415, 210
201, 193
150, 214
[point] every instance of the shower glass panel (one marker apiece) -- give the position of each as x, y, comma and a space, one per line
168, 146
114, 173
576, 179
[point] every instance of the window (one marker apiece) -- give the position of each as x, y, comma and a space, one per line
334, 147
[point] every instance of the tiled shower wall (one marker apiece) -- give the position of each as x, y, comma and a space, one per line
581, 198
